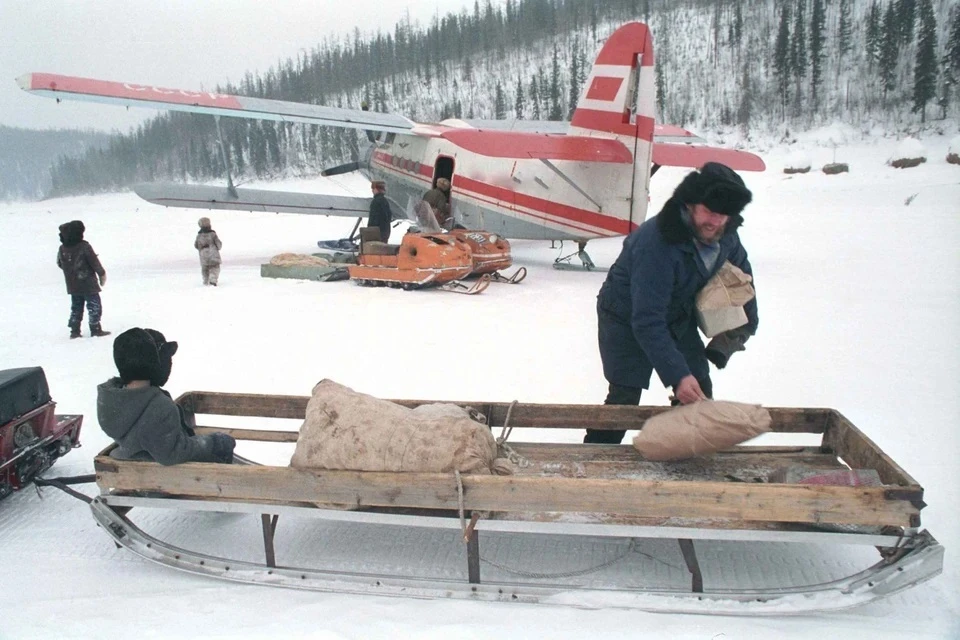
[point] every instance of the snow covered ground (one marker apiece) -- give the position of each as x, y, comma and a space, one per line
857, 278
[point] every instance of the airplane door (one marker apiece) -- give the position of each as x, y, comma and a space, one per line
443, 168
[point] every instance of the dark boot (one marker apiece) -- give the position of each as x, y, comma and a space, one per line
616, 394
74, 332
96, 331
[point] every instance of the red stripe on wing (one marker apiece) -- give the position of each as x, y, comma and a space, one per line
88, 86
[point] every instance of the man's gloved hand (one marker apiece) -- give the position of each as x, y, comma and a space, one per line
103, 279
719, 350
223, 445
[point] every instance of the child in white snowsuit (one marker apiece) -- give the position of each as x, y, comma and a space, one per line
208, 244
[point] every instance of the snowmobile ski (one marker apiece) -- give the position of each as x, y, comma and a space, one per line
471, 288
515, 278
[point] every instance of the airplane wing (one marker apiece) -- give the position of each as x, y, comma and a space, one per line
661, 132
539, 146
694, 156
194, 196
673, 146
136, 95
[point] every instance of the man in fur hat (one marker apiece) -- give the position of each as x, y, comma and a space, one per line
646, 308
380, 214
141, 417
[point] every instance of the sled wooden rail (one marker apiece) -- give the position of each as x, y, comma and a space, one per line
561, 478
840, 436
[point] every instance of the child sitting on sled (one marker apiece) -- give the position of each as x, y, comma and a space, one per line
141, 417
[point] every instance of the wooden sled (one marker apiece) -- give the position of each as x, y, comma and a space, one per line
577, 525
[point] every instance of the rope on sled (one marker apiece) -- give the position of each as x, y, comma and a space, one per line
510, 454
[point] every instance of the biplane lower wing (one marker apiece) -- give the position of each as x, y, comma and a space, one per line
193, 196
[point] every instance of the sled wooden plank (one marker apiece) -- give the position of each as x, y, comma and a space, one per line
253, 435
540, 416
244, 404
738, 501
859, 451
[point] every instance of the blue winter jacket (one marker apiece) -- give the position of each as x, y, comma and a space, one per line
652, 287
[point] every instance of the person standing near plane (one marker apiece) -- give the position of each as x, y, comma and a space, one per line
646, 308
84, 275
439, 200
209, 245
380, 214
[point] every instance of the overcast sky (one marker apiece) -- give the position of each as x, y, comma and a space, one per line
188, 44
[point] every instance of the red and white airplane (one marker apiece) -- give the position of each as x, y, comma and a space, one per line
585, 179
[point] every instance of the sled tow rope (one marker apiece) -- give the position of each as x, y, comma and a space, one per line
63, 484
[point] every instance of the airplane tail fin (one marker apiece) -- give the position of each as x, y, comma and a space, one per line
619, 100
619, 96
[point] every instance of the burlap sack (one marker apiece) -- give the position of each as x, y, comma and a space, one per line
344, 429
720, 302
298, 260
700, 429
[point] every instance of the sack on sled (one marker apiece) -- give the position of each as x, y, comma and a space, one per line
720, 302
700, 429
347, 430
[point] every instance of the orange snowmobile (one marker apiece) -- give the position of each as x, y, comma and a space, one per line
491, 253
420, 260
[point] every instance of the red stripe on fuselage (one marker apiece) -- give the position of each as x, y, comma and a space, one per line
580, 220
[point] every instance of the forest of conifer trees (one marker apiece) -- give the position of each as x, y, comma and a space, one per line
761, 66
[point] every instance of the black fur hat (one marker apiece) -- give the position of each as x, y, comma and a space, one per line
166, 351
716, 186
71, 233
136, 355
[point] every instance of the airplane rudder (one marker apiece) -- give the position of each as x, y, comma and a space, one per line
606, 102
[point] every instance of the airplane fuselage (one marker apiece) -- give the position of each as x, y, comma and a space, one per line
517, 198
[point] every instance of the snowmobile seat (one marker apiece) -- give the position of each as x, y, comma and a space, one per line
370, 243
22, 390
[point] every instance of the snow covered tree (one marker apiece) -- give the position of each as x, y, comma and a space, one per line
874, 37
889, 51
576, 78
535, 98
781, 57
661, 93
951, 63
844, 29
519, 102
798, 48
556, 110
499, 103
745, 109
925, 68
818, 24
736, 25
906, 11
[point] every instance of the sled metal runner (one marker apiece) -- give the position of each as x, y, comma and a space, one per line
606, 499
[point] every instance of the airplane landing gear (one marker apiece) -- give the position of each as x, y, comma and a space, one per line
586, 263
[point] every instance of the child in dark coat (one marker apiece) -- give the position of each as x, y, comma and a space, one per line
141, 417
209, 245
84, 276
